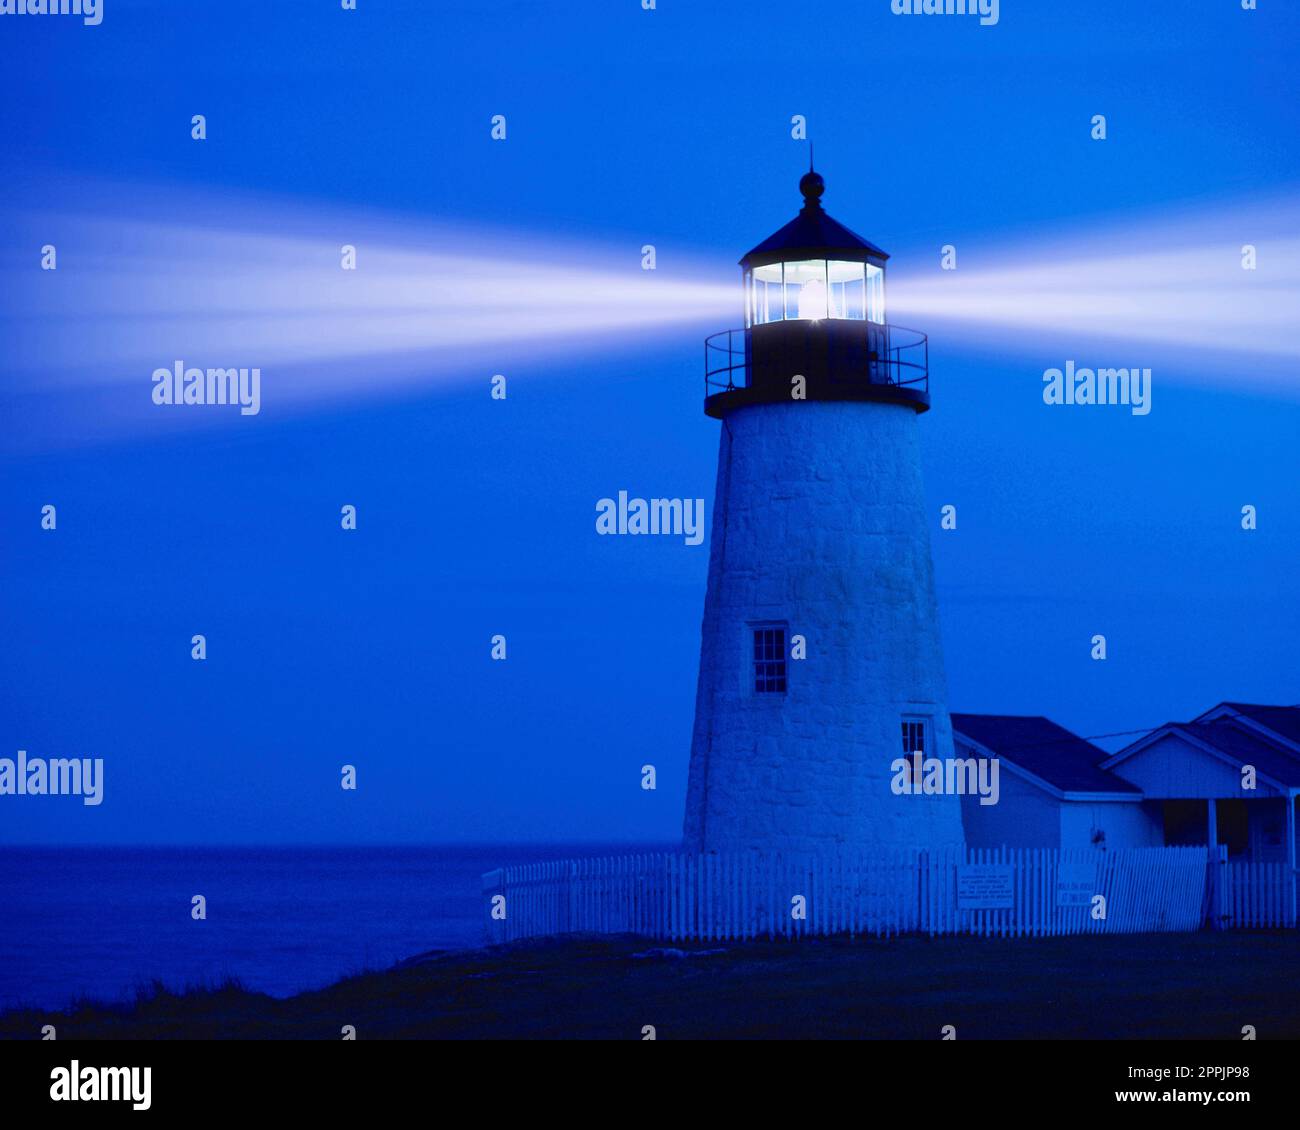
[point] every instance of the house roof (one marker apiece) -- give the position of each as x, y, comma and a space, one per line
1042, 748
1245, 747
1282, 720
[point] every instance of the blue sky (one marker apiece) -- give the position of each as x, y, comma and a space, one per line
626, 127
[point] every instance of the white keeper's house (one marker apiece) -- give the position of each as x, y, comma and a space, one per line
1229, 776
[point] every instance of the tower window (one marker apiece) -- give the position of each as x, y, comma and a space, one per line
769, 660
915, 740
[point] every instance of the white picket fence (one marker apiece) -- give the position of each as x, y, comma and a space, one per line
723, 897
1256, 895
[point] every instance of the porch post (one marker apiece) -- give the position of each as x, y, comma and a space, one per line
1212, 858
1290, 858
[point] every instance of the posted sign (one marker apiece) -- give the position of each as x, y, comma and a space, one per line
1076, 883
985, 886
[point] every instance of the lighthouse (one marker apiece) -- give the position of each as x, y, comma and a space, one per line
820, 659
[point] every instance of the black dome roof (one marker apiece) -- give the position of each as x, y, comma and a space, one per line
813, 231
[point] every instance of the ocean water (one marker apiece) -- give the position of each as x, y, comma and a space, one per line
104, 921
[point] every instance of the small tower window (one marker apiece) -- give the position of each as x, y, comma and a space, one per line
916, 739
769, 659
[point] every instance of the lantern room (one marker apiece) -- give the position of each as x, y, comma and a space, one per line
814, 268
814, 309
813, 289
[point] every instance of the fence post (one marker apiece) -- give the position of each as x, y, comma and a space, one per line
1291, 874
1215, 887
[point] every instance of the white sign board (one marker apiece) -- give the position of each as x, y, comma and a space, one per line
1076, 883
985, 886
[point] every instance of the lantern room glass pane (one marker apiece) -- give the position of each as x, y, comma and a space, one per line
767, 299
805, 289
875, 294
847, 287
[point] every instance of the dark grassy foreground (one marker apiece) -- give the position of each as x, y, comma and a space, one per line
1179, 986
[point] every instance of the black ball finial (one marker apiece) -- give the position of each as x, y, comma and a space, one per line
812, 186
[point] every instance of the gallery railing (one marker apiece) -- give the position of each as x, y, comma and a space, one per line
860, 352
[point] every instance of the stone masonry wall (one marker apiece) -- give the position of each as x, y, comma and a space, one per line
819, 522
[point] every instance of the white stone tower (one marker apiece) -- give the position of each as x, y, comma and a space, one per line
820, 532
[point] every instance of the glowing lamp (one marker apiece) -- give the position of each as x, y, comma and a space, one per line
815, 309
